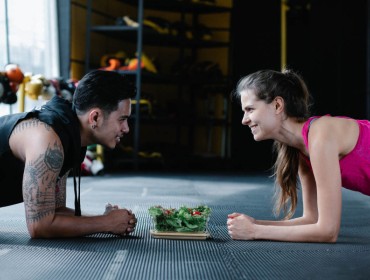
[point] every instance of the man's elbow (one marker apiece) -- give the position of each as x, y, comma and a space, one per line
38, 231
34, 234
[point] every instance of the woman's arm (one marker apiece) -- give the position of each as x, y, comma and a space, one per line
324, 219
309, 198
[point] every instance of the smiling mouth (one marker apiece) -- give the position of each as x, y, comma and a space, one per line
252, 127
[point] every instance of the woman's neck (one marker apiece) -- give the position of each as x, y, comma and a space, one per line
291, 134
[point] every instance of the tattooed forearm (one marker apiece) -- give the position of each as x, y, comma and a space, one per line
60, 192
40, 177
30, 123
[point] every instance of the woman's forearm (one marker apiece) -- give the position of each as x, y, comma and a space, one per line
295, 233
243, 227
290, 222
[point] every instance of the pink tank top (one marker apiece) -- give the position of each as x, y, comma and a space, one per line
355, 166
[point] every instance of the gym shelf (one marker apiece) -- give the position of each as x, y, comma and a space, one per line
154, 39
181, 6
180, 118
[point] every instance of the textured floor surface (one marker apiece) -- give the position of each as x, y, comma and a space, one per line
140, 256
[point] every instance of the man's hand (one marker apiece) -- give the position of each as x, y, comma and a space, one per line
123, 220
109, 207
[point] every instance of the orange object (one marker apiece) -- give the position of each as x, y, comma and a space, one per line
14, 87
14, 73
133, 64
114, 64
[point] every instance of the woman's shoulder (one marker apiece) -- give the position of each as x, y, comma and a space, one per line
335, 129
327, 127
333, 120
316, 122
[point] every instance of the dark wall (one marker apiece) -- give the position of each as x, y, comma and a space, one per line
326, 44
256, 45
337, 73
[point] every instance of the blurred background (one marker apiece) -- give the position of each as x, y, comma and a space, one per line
185, 57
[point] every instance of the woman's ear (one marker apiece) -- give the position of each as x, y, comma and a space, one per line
279, 104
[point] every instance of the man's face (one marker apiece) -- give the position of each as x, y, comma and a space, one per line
115, 125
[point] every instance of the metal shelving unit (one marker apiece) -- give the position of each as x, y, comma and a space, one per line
141, 36
119, 31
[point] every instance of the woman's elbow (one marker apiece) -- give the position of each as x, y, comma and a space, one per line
329, 238
329, 234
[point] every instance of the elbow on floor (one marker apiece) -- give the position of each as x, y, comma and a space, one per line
35, 235
330, 239
329, 236
37, 232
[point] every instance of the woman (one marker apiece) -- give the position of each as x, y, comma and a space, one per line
322, 153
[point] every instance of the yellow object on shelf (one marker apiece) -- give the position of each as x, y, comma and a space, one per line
100, 153
143, 102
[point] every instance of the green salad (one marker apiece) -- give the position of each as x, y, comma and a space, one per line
184, 219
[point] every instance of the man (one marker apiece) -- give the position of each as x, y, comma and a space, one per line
38, 149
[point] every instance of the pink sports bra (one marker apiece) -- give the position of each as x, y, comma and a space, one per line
355, 166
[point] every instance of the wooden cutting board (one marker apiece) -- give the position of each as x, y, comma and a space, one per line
180, 235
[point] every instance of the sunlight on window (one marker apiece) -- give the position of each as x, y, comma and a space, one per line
3, 50
32, 41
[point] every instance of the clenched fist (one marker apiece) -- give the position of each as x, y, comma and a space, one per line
123, 221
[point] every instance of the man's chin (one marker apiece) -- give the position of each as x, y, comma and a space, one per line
110, 147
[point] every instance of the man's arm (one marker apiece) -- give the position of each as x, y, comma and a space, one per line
43, 162
39, 180
61, 197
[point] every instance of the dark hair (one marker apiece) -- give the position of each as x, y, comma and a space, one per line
102, 89
267, 85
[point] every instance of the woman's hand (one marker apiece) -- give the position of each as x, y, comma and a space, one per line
241, 226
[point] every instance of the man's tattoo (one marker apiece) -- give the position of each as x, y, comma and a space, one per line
39, 182
60, 192
30, 123
54, 158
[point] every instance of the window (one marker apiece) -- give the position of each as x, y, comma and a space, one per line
29, 38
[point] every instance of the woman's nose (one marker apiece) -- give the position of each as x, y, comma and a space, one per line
245, 119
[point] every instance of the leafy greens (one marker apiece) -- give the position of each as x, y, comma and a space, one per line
184, 219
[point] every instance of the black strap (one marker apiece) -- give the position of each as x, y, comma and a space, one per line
77, 192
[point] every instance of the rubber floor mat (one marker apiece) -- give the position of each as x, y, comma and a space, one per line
140, 256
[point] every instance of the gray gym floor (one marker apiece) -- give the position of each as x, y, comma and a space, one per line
139, 256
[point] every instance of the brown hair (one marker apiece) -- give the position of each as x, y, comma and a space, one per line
267, 85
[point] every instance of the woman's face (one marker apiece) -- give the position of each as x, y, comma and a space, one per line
262, 118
